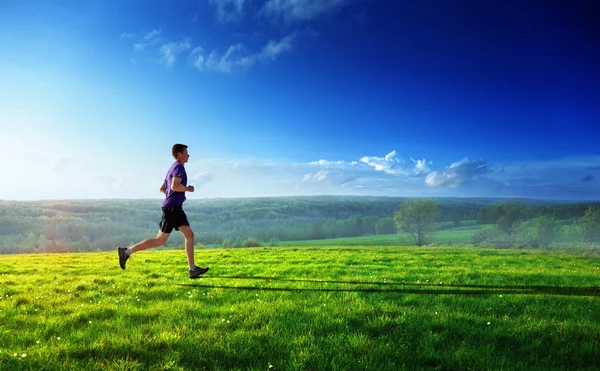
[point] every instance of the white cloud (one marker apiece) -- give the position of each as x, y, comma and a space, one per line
237, 56
274, 48
421, 167
319, 176
152, 35
287, 11
300, 10
394, 165
152, 38
326, 163
328, 178
229, 10
127, 35
226, 62
457, 174
390, 164
200, 179
197, 55
170, 51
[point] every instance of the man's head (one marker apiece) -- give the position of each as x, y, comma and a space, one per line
180, 153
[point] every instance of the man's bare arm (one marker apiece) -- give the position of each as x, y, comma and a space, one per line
163, 189
178, 187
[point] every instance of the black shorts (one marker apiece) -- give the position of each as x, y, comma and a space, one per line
172, 217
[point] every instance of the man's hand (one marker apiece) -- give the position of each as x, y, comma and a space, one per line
190, 188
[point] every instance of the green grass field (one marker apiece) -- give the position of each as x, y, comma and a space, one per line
302, 308
455, 236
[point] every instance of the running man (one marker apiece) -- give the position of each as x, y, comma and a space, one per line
173, 217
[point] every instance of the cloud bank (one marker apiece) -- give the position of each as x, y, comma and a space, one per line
372, 174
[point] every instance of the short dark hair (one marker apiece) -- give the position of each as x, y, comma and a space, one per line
178, 148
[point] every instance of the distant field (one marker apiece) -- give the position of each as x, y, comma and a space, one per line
306, 308
456, 236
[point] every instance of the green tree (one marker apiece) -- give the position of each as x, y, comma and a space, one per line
417, 218
386, 226
539, 231
252, 242
544, 230
507, 221
589, 224
456, 219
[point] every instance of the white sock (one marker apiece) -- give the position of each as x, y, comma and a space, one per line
192, 266
128, 251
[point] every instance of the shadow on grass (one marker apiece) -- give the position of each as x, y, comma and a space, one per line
441, 289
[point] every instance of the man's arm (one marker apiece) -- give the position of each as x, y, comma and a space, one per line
178, 187
163, 189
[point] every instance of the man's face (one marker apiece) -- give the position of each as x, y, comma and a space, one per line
184, 156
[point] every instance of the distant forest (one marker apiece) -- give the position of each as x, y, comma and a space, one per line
92, 225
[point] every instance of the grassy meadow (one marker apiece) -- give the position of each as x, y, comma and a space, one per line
302, 308
454, 236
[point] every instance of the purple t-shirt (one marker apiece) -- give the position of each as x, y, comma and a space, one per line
174, 199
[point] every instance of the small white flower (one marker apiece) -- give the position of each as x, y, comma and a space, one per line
58, 338
489, 323
23, 355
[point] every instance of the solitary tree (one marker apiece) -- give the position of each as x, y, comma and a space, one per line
417, 218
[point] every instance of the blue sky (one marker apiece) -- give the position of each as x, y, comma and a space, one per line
300, 97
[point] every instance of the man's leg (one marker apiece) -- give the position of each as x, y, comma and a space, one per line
188, 234
195, 271
124, 253
160, 239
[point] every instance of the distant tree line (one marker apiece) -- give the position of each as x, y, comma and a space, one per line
508, 224
515, 227
91, 225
